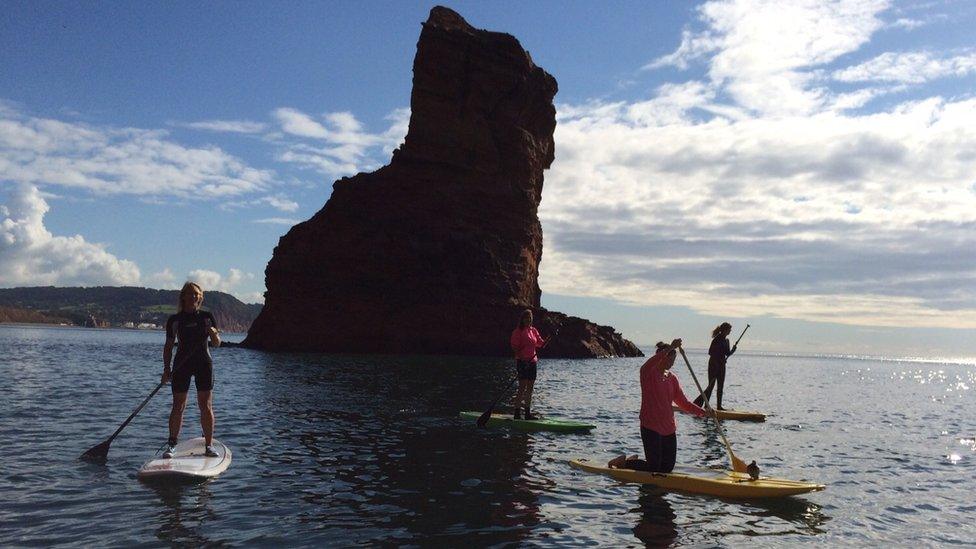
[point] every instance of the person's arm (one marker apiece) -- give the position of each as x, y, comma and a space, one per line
729, 352
214, 337
682, 401
167, 360
539, 342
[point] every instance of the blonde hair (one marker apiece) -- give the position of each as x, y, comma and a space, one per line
187, 288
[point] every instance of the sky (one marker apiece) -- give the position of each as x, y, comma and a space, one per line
808, 168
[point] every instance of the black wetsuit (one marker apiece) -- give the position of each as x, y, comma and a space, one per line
718, 353
192, 331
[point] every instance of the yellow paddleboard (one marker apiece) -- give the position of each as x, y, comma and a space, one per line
726, 484
735, 415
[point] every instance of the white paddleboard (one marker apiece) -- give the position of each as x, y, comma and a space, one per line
188, 462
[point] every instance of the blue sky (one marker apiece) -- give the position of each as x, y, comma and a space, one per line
808, 167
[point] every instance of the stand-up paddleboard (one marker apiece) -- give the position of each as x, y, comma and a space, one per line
727, 484
542, 424
188, 462
735, 415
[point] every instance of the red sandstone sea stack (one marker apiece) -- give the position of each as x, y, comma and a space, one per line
439, 251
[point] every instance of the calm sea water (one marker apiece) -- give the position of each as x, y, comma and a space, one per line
350, 450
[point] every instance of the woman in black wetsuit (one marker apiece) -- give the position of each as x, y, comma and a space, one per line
718, 354
196, 332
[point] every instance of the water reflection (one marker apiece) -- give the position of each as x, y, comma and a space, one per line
185, 512
656, 526
806, 517
374, 446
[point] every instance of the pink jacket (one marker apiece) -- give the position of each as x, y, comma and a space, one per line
525, 342
659, 388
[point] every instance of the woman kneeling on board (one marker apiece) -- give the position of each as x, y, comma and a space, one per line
525, 341
196, 331
659, 388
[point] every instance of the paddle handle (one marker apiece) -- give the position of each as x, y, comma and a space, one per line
136, 411
718, 425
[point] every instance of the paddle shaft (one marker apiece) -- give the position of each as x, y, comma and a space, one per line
136, 411
718, 425
487, 415
740, 336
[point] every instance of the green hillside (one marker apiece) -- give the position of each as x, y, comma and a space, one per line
125, 306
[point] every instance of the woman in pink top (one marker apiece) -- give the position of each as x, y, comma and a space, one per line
525, 341
659, 389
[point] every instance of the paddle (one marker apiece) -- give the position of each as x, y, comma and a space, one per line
740, 336
483, 419
99, 452
738, 465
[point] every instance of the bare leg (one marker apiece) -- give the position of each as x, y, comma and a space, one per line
529, 385
205, 400
176, 415
520, 394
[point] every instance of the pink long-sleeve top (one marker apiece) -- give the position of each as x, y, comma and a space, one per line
525, 341
659, 388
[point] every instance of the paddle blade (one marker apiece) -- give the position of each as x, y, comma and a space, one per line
483, 419
738, 465
98, 453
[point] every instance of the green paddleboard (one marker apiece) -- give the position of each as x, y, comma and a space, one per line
543, 424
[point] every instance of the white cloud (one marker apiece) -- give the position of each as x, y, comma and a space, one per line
31, 256
338, 146
908, 68
164, 279
228, 126
278, 221
295, 122
104, 160
758, 191
763, 50
212, 280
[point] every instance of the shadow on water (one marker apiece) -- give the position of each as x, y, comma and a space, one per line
375, 449
656, 526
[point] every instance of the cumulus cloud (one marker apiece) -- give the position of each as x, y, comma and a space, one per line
212, 280
30, 255
759, 190
105, 160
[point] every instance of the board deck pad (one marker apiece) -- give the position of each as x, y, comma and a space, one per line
188, 462
542, 424
713, 482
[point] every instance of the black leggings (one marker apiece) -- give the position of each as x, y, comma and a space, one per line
716, 374
660, 451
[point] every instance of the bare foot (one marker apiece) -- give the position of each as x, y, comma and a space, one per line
617, 462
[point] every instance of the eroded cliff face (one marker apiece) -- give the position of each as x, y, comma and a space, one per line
439, 251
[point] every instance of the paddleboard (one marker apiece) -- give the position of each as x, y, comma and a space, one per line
726, 484
542, 424
188, 462
736, 415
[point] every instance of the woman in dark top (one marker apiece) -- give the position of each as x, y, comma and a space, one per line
718, 354
196, 331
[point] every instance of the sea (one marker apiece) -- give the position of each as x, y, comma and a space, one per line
339, 451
